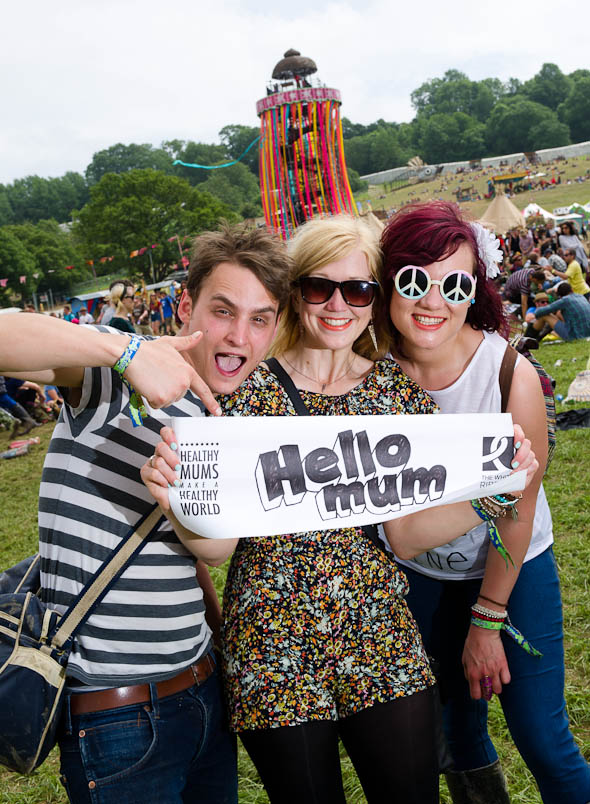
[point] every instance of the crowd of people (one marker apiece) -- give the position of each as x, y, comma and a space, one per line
324, 635
546, 281
130, 309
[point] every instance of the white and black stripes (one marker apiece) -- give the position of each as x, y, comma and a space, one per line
151, 623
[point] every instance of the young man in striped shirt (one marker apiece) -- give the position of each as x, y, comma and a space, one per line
143, 720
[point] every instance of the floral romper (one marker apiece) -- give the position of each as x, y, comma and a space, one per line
315, 624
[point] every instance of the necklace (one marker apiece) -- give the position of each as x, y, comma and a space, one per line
319, 382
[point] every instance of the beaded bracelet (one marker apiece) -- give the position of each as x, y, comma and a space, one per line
498, 505
495, 538
495, 615
137, 409
505, 625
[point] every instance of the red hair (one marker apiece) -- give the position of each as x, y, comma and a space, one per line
423, 233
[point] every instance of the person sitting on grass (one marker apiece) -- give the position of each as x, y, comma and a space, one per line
568, 316
520, 284
573, 274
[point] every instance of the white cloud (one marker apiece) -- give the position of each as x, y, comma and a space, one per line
81, 76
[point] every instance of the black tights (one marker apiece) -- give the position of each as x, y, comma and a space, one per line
391, 746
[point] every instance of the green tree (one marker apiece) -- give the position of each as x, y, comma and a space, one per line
451, 137
15, 262
237, 187
236, 139
378, 150
356, 184
455, 92
34, 198
549, 86
549, 134
6, 213
52, 249
196, 153
140, 208
121, 158
511, 122
350, 129
575, 110
577, 74
513, 86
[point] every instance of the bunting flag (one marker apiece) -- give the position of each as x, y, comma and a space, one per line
134, 253
185, 261
3, 282
155, 245
89, 262
35, 276
142, 251
174, 237
22, 279
69, 267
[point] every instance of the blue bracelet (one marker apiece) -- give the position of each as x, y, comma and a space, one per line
137, 409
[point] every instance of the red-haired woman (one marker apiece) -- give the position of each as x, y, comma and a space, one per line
447, 328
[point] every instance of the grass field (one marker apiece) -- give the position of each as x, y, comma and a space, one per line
568, 490
558, 195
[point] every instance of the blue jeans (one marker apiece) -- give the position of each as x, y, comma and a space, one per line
533, 702
171, 751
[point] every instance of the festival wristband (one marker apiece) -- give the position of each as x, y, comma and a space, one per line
495, 537
505, 625
137, 409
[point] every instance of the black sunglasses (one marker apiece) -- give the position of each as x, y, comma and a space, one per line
318, 289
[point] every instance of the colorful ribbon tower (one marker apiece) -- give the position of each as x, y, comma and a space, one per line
302, 164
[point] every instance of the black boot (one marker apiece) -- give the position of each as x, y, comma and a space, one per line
479, 786
25, 421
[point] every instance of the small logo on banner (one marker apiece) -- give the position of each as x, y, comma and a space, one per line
497, 453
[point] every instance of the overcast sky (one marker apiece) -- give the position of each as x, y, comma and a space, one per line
79, 76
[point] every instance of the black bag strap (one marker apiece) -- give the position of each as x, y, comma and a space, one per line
506, 374
370, 531
275, 368
104, 578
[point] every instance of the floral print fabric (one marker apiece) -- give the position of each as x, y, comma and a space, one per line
315, 624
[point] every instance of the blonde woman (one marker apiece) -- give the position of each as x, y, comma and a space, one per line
122, 300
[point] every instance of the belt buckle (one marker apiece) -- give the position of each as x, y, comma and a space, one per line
204, 665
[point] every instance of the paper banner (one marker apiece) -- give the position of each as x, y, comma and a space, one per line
252, 476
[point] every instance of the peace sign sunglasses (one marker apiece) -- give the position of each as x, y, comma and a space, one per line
414, 282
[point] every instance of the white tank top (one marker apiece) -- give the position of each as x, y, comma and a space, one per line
478, 391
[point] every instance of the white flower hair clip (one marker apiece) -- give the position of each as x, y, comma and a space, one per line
488, 247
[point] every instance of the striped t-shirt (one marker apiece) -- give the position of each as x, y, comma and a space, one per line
151, 624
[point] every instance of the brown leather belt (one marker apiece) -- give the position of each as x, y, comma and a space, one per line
84, 702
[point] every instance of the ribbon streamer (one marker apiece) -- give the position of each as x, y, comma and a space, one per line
214, 167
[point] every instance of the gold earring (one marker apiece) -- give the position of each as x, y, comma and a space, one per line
371, 329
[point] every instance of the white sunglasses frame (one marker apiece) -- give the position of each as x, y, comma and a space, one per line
432, 282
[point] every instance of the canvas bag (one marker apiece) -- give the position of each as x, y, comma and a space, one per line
35, 644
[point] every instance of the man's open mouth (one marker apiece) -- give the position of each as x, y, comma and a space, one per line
229, 364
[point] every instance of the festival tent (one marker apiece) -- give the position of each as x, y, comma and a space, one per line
502, 215
580, 210
535, 209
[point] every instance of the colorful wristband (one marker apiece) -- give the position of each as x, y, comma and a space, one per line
506, 625
494, 535
137, 409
